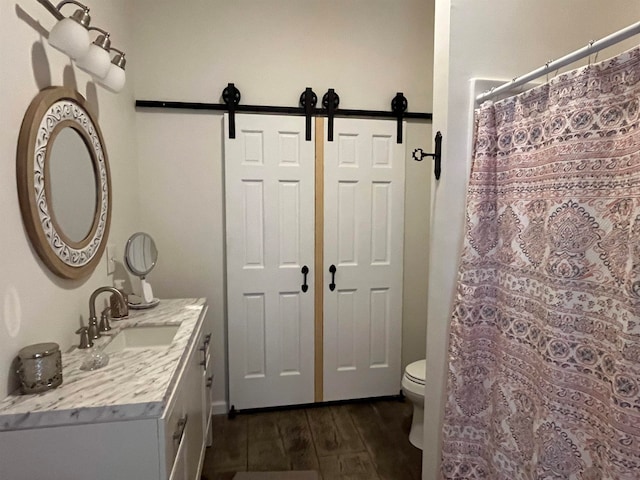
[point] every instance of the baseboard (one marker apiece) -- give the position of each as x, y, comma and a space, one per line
219, 408
399, 397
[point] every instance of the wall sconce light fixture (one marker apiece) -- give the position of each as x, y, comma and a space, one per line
115, 79
97, 59
71, 36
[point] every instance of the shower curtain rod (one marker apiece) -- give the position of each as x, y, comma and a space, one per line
592, 47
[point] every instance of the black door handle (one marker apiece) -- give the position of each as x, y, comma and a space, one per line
305, 270
332, 285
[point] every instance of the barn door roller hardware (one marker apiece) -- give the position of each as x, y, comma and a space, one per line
308, 108
399, 105
330, 102
419, 154
308, 100
231, 97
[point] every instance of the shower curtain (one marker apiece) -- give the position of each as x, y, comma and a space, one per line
544, 353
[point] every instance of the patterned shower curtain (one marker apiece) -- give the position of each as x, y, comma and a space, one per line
544, 352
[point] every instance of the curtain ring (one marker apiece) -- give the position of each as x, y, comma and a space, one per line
546, 65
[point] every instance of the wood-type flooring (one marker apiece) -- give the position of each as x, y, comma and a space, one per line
357, 441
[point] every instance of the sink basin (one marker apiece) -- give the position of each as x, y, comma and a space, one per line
142, 337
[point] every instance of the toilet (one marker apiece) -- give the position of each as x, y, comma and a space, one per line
413, 389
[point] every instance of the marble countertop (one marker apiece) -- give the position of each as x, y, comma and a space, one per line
136, 383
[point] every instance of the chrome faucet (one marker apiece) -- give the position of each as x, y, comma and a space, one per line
93, 320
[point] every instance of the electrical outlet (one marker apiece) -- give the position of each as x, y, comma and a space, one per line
111, 258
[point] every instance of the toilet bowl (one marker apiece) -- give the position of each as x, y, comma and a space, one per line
413, 389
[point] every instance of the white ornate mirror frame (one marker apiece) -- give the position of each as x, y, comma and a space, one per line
52, 110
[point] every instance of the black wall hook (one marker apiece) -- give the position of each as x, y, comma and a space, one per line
330, 102
308, 101
399, 105
231, 97
419, 154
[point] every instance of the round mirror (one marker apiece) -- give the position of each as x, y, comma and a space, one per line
140, 254
64, 184
73, 208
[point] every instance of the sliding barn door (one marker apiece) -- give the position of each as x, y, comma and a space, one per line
363, 240
269, 191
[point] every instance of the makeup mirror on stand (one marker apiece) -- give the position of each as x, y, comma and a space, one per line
140, 257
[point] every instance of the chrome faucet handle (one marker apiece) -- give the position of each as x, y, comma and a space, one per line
85, 341
104, 320
92, 329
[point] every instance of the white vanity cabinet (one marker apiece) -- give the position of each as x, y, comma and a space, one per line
127, 440
183, 427
195, 385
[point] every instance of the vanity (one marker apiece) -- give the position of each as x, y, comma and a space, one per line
144, 416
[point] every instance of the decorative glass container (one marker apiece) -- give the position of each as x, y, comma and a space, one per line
39, 367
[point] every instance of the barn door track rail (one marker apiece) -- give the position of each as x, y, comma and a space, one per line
308, 108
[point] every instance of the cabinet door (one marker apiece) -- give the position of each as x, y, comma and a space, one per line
194, 433
269, 190
207, 398
363, 240
180, 470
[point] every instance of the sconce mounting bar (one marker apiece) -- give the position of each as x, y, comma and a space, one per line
51, 8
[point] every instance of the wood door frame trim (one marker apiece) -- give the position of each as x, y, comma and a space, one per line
319, 262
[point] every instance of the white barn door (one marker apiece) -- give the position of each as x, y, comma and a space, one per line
269, 191
363, 239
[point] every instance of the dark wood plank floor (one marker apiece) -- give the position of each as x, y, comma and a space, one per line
359, 441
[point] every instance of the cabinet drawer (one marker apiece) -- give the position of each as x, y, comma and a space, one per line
174, 427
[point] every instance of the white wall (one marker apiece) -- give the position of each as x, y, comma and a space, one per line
492, 39
36, 306
188, 51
